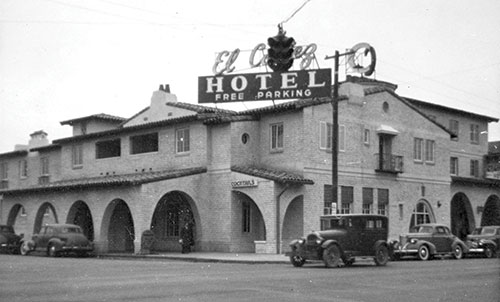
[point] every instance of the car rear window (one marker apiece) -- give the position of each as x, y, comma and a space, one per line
488, 231
70, 230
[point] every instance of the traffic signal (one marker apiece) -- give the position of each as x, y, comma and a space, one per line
280, 52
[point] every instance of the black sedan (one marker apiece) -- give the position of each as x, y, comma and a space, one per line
9, 241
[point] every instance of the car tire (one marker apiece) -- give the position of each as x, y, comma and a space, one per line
458, 252
489, 252
24, 249
297, 261
52, 251
381, 255
423, 253
332, 256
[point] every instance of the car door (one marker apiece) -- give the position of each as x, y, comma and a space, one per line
369, 235
44, 237
441, 239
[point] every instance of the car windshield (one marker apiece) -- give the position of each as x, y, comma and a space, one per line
71, 230
488, 231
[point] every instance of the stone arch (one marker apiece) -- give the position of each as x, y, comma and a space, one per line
117, 230
491, 211
422, 213
18, 219
80, 214
462, 217
172, 212
293, 222
13, 213
46, 214
248, 223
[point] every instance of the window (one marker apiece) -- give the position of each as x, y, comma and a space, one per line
23, 168
44, 166
474, 168
182, 140
327, 199
474, 134
4, 171
383, 201
246, 217
277, 137
77, 155
325, 133
144, 143
341, 138
454, 128
421, 214
453, 165
367, 201
366, 136
429, 151
417, 149
346, 199
172, 221
108, 148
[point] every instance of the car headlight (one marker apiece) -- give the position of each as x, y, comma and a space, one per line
318, 241
413, 241
301, 241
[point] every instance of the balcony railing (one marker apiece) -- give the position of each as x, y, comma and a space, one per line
389, 163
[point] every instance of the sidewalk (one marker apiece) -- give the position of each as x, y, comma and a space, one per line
250, 258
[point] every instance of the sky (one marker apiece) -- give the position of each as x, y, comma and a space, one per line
64, 59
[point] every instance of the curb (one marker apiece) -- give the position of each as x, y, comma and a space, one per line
187, 259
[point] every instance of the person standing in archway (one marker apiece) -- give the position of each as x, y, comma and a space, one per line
186, 238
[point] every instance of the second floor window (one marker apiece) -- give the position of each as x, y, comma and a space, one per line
44, 166
77, 155
429, 151
454, 166
325, 136
277, 137
182, 140
23, 168
4, 171
474, 168
417, 149
108, 148
474, 134
144, 143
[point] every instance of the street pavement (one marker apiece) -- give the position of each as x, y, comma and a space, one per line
207, 257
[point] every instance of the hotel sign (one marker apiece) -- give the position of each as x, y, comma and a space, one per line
265, 86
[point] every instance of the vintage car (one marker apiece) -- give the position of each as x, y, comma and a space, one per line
9, 241
426, 241
57, 239
484, 241
341, 239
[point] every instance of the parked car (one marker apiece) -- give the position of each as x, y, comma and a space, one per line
341, 239
57, 239
427, 241
9, 241
484, 241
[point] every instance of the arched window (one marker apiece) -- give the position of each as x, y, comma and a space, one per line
422, 213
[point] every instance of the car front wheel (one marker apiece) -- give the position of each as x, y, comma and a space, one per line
24, 249
52, 251
297, 261
331, 256
381, 255
458, 252
423, 253
489, 252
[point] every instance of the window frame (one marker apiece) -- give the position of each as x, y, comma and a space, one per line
4, 170
77, 156
111, 142
430, 147
182, 144
23, 169
150, 137
44, 166
276, 139
418, 149
474, 168
474, 134
454, 165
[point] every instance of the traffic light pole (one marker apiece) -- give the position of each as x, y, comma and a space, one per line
335, 127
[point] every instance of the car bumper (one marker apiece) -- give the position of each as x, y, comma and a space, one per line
477, 250
77, 249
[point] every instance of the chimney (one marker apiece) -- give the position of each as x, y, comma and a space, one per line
161, 97
38, 139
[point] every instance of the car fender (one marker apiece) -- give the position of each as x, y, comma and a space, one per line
384, 243
56, 242
491, 243
462, 244
30, 243
430, 245
327, 243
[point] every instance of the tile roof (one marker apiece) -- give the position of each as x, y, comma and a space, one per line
15, 153
289, 106
100, 116
109, 180
200, 108
275, 175
486, 182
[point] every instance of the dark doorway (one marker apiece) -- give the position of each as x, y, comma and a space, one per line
491, 211
462, 218
80, 215
121, 229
